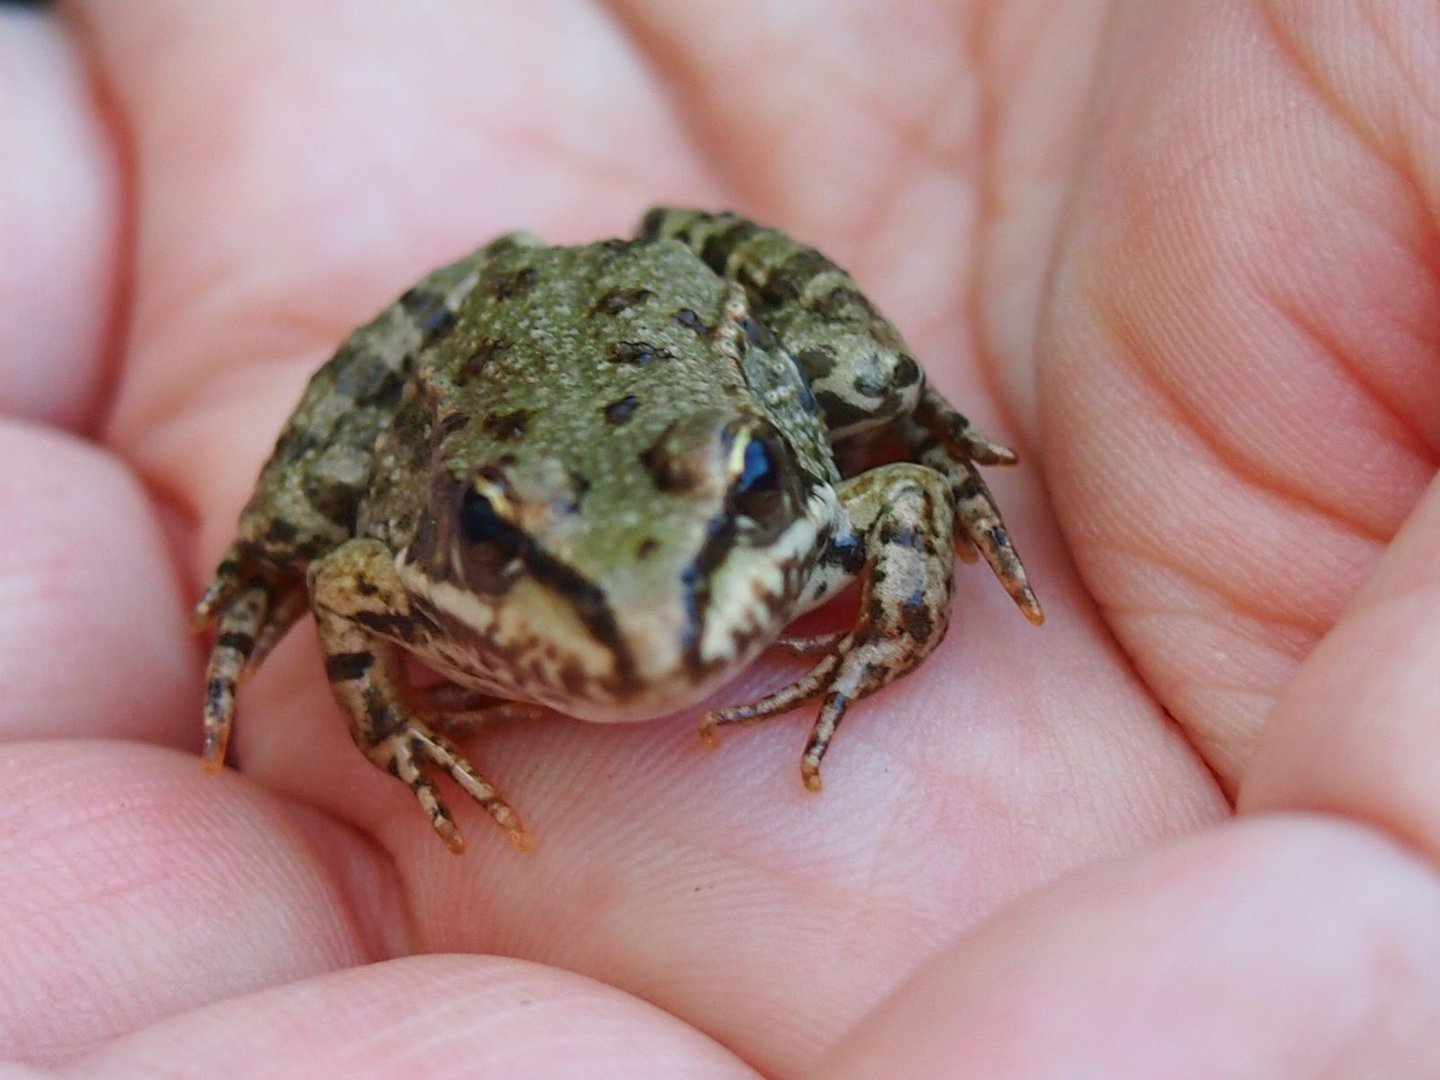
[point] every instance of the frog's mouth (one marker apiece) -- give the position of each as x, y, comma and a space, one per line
549, 635
590, 605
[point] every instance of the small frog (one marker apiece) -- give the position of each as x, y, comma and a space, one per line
601, 479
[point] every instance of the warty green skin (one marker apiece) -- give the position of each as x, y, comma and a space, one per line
601, 479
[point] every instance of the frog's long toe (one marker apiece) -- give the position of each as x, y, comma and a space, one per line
408, 749
834, 677
241, 622
806, 688
809, 644
979, 516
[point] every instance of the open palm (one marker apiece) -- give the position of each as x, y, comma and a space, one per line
1183, 256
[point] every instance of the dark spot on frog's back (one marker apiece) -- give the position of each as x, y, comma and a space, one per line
638, 353
429, 311
757, 333
514, 284
917, 621
508, 426
618, 300
365, 378
687, 318
842, 301
477, 361
718, 248
817, 361
670, 473
452, 422
647, 547
796, 272
618, 411
280, 531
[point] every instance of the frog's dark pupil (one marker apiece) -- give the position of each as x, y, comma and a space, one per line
756, 491
480, 524
757, 470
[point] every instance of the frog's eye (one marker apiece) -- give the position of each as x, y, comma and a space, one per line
479, 523
485, 528
755, 491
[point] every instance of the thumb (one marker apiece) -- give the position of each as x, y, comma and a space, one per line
1357, 731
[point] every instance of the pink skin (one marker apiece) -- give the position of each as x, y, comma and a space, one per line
1211, 226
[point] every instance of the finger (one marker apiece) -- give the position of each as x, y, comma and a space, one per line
59, 228
1357, 731
429, 1016
134, 887
1283, 947
1238, 363
92, 616
252, 249
714, 885
934, 172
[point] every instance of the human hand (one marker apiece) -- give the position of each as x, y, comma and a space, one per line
1187, 256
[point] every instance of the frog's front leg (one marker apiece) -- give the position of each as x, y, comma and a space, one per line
901, 519
354, 590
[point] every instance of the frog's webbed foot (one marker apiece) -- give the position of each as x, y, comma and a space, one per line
942, 439
253, 606
904, 514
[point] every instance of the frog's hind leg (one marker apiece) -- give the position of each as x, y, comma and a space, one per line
855, 363
254, 612
906, 517
941, 439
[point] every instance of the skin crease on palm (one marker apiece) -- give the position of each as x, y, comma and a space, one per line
1183, 255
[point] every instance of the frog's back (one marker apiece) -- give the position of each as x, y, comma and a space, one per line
572, 333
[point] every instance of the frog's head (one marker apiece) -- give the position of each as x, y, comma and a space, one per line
616, 584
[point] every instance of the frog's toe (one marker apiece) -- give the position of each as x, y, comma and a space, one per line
806, 688
222, 588
809, 644
979, 519
406, 751
821, 679
962, 438
399, 755
241, 622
